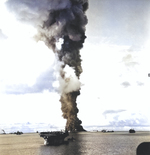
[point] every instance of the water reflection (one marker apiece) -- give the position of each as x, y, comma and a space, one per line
98, 143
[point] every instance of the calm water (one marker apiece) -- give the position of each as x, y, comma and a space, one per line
86, 143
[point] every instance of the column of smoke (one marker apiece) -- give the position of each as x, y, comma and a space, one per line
66, 24
60, 22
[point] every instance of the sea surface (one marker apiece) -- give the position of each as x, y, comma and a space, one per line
84, 143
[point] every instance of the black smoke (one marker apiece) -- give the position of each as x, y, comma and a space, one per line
69, 25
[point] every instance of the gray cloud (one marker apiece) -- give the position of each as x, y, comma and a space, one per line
139, 121
107, 112
43, 82
113, 111
140, 83
126, 84
129, 119
132, 120
129, 60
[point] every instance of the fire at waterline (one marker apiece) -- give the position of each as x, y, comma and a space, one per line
68, 25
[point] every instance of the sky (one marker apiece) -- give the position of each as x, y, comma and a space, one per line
115, 61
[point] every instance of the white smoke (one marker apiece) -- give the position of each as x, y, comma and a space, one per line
59, 43
69, 83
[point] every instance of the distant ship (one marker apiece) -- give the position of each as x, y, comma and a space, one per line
107, 131
54, 137
17, 133
131, 131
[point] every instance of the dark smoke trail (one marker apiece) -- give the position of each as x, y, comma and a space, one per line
69, 25
65, 25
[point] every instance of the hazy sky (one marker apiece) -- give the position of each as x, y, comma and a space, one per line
115, 60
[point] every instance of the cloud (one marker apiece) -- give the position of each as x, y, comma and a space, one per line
27, 127
135, 120
123, 118
126, 84
43, 82
129, 60
127, 118
113, 111
2, 35
106, 112
140, 83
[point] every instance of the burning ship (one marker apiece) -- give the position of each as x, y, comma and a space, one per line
54, 137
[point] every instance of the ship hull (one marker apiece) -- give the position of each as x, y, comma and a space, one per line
54, 138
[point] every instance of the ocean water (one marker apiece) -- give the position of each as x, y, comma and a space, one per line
85, 143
